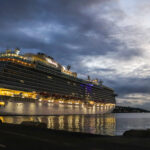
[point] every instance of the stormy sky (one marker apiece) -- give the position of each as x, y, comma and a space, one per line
106, 39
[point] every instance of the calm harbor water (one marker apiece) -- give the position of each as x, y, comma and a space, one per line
109, 124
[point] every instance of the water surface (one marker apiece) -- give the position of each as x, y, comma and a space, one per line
109, 124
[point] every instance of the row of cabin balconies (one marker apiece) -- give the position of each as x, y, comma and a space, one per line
57, 79
21, 76
41, 77
44, 86
50, 90
18, 57
51, 85
52, 70
23, 87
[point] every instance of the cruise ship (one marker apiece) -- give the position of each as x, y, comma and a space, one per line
35, 84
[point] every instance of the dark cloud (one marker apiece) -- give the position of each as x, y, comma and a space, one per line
79, 26
67, 30
82, 23
130, 85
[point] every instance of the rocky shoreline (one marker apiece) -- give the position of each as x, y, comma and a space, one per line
29, 135
121, 109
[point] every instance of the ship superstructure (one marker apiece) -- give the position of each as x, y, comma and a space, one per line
38, 78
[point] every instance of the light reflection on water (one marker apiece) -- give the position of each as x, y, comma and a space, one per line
108, 124
97, 124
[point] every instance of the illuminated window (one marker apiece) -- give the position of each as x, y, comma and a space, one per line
22, 81
74, 84
49, 77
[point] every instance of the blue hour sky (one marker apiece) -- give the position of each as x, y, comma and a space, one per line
106, 39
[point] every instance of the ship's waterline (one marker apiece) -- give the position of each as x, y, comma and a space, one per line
44, 108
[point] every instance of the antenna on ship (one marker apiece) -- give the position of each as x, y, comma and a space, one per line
89, 79
68, 67
100, 82
17, 51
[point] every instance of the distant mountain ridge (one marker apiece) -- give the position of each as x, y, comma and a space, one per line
121, 109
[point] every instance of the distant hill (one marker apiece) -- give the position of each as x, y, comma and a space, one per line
121, 109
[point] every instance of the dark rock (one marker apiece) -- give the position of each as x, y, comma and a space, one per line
137, 133
34, 124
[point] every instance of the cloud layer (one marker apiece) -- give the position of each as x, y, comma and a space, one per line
107, 39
